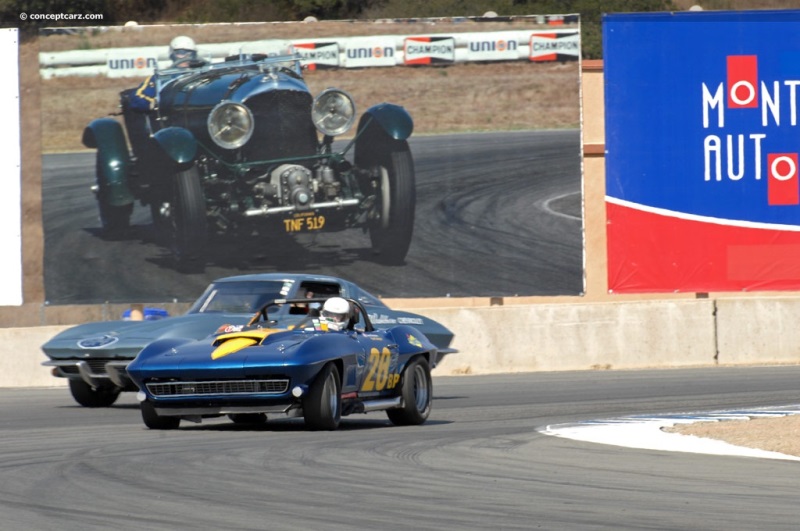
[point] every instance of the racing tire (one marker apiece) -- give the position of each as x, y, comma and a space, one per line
154, 421
113, 219
416, 390
322, 406
390, 234
248, 418
88, 396
189, 225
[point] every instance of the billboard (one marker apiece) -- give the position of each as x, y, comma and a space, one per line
702, 151
10, 185
489, 202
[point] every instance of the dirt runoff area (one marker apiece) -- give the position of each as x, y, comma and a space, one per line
772, 434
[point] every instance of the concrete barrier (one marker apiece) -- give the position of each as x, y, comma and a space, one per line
562, 337
21, 357
554, 337
763, 330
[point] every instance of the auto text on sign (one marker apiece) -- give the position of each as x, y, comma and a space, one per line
745, 154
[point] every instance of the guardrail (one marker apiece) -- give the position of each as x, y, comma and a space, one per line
346, 52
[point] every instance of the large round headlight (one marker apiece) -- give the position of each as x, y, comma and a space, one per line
230, 124
333, 112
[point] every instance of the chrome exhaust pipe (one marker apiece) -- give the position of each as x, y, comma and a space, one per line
377, 405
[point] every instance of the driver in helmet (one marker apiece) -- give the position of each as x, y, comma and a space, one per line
183, 54
335, 314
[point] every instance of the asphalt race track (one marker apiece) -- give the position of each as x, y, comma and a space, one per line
478, 463
498, 214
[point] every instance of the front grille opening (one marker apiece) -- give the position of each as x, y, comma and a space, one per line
283, 126
223, 387
97, 366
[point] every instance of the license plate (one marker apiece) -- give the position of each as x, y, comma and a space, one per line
304, 222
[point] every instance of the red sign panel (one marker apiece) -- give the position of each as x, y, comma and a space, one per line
742, 81
782, 187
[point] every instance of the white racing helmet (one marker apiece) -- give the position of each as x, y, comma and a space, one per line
182, 48
336, 312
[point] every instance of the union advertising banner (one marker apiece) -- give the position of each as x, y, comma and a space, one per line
126, 64
500, 46
702, 143
371, 51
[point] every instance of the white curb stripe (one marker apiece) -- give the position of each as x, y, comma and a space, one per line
647, 432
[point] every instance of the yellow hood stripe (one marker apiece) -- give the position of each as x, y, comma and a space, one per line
236, 341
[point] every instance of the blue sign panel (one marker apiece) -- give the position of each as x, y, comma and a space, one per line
702, 140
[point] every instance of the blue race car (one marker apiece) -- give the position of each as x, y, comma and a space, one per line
93, 356
309, 368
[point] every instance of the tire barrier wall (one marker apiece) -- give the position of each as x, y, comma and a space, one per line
434, 49
555, 337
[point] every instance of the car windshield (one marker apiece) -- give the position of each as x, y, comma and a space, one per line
259, 62
239, 297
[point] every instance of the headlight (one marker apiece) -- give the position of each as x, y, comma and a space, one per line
230, 124
333, 112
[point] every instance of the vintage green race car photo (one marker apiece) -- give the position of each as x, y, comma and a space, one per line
242, 147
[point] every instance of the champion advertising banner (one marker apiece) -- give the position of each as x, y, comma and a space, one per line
554, 46
318, 55
429, 50
702, 143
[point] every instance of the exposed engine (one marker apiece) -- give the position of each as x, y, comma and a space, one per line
284, 189
295, 185
292, 185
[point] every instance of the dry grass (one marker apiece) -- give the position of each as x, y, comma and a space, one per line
772, 434
469, 97
459, 98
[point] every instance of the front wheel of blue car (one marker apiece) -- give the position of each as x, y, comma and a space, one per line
322, 406
154, 421
417, 393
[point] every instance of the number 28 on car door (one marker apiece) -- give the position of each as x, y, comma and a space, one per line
381, 371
